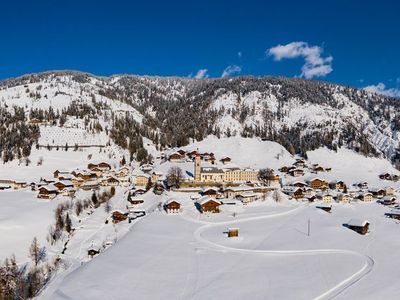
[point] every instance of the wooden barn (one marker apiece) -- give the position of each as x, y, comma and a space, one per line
359, 226
208, 205
172, 206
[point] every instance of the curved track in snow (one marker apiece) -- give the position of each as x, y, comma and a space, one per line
329, 294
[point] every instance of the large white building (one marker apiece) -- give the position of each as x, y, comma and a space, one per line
215, 174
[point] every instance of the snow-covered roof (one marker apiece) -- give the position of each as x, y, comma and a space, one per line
206, 199
357, 222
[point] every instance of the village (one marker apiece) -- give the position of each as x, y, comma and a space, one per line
212, 185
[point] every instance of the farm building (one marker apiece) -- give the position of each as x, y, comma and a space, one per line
172, 206
247, 197
208, 204
359, 226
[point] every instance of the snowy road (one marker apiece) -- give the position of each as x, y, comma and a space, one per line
329, 294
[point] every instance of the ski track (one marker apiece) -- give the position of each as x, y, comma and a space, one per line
329, 294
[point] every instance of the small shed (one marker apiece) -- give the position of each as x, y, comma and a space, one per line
358, 225
325, 207
233, 232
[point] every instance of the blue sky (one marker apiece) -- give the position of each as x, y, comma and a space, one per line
349, 42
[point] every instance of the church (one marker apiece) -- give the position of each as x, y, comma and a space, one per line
220, 175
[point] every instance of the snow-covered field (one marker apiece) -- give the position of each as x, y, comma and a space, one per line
188, 255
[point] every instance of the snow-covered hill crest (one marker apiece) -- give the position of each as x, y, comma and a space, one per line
299, 114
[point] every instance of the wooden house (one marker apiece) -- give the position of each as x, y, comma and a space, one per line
284, 169
299, 184
19, 184
296, 172
110, 181
141, 180
176, 157
388, 200
378, 192
225, 160
210, 192
359, 226
77, 181
122, 172
299, 163
57, 173
47, 192
325, 197
344, 197
136, 201
385, 176
118, 216
298, 193
62, 184
208, 205
172, 206
365, 196
317, 169
389, 191
337, 185
318, 184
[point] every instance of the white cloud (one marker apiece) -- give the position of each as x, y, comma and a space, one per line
201, 74
230, 70
381, 89
314, 64
240, 54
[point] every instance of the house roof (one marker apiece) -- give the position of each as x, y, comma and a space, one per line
357, 222
211, 170
204, 200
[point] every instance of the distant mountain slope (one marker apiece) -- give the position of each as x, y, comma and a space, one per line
299, 114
